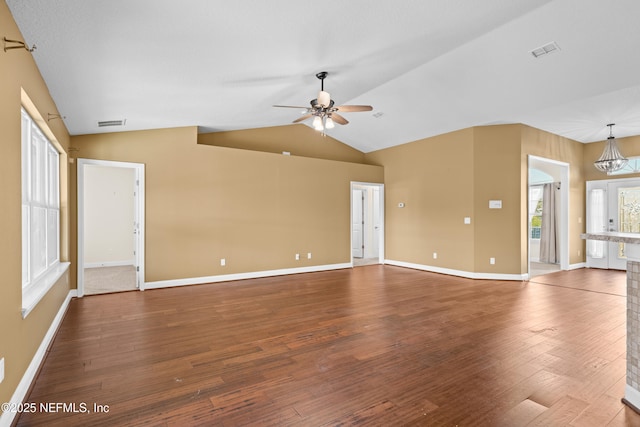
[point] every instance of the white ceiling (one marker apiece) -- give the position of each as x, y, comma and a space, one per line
428, 67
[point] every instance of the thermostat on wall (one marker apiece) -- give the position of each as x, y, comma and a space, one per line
495, 204
401, 205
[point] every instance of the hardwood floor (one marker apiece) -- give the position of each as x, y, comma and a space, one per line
375, 345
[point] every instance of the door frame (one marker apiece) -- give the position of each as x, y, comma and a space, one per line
610, 248
381, 233
139, 219
562, 170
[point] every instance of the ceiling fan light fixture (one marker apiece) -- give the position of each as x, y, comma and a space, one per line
324, 99
317, 123
611, 159
329, 123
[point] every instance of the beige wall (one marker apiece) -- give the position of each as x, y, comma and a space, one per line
255, 209
497, 176
447, 177
299, 140
433, 177
544, 144
20, 338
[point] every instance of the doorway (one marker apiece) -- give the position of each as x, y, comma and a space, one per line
548, 216
367, 223
110, 226
612, 205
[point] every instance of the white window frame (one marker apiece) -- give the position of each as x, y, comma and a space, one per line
41, 266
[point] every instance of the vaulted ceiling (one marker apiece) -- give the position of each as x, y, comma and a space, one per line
427, 67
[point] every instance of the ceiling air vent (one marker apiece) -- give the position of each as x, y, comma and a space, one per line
112, 123
543, 50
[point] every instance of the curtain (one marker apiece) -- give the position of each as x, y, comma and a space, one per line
549, 241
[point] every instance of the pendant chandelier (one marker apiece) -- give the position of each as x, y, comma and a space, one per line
611, 160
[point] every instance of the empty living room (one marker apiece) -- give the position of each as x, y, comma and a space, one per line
364, 213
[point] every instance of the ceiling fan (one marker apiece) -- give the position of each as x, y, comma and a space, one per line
323, 111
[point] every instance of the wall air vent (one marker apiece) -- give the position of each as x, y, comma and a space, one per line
112, 123
543, 50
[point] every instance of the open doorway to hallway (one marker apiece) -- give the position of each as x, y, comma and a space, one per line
367, 223
110, 226
548, 198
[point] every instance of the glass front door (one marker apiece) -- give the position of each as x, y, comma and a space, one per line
611, 206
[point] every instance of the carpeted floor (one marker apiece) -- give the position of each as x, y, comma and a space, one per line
104, 280
357, 262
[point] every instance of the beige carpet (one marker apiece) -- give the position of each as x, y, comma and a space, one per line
541, 268
103, 280
358, 262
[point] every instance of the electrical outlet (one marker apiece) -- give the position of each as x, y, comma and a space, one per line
492, 261
309, 255
435, 255
223, 262
297, 257
1, 369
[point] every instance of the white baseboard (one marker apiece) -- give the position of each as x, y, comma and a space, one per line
632, 397
577, 266
23, 387
242, 276
109, 264
459, 273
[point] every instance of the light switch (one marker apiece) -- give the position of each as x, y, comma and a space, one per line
495, 204
467, 220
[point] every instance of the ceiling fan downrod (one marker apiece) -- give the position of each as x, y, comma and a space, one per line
322, 75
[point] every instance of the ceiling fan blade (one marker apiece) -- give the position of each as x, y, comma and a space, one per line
303, 118
290, 106
339, 119
354, 108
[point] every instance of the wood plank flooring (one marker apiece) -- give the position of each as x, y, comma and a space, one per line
375, 345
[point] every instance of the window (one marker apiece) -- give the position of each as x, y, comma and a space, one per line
40, 213
535, 211
596, 211
632, 166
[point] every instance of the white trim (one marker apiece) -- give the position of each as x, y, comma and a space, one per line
23, 387
381, 232
110, 264
39, 289
459, 273
565, 181
632, 396
140, 246
577, 266
241, 276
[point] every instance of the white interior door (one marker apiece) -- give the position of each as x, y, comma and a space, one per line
612, 205
376, 221
357, 223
